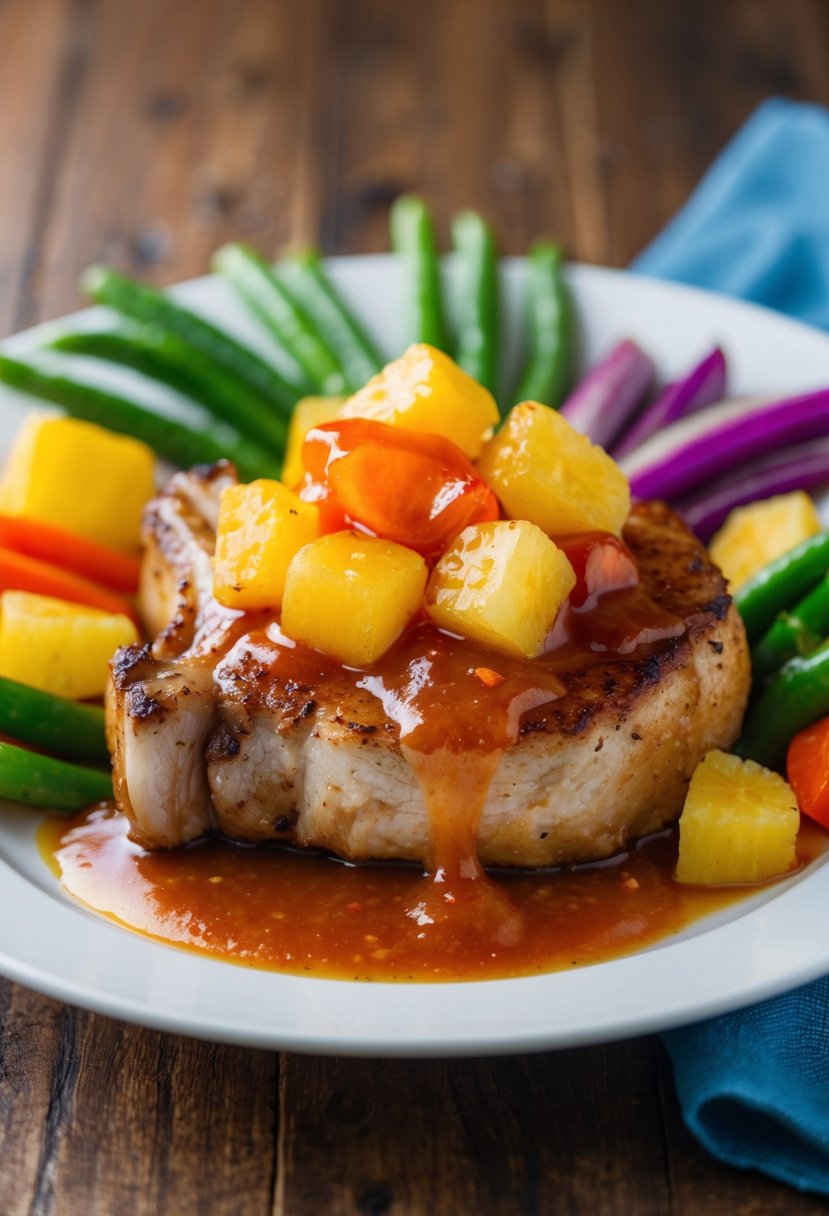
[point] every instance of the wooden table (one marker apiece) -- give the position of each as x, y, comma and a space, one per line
148, 133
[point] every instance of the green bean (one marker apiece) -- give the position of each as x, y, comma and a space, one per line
261, 290
796, 697
42, 781
144, 303
547, 372
170, 439
160, 355
797, 632
413, 239
305, 279
477, 345
781, 584
53, 723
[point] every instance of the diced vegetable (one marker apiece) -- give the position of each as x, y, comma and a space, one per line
20, 573
601, 564
413, 240
807, 767
304, 276
781, 583
59, 647
797, 632
261, 527
81, 477
308, 413
173, 440
162, 356
739, 823
417, 490
477, 346
501, 584
55, 545
145, 303
804, 466
544, 471
796, 697
351, 596
755, 535
425, 390
265, 295
683, 458
52, 723
549, 325
704, 385
602, 404
42, 781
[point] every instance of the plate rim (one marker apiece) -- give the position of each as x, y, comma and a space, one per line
745, 990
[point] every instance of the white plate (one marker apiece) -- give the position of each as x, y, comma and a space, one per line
773, 941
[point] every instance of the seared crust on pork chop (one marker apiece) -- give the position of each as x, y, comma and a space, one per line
178, 538
158, 735
318, 762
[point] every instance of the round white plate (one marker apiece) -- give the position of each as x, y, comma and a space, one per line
772, 941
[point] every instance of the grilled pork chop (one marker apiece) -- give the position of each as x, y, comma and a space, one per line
223, 725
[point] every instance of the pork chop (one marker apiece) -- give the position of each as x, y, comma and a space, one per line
262, 740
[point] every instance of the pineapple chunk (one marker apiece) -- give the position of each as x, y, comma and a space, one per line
755, 535
545, 471
425, 390
501, 584
351, 596
80, 476
59, 647
739, 823
262, 525
308, 413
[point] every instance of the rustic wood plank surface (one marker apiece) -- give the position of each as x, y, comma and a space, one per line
147, 134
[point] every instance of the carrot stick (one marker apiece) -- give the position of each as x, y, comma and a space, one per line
21, 573
58, 547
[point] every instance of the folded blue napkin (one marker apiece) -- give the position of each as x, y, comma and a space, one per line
754, 1085
757, 226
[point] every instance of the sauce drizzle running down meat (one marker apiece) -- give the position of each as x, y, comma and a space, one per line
454, 729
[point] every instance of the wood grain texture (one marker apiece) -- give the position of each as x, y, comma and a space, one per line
496, 1136
146, 134
102, 1119
36, 74
286, 122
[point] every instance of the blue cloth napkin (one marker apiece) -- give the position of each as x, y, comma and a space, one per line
754, 1085
757, 226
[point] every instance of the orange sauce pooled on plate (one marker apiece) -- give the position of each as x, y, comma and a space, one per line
285, 910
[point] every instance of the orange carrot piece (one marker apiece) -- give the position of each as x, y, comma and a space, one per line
489, 677
807, 768
58, 547
21, 573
